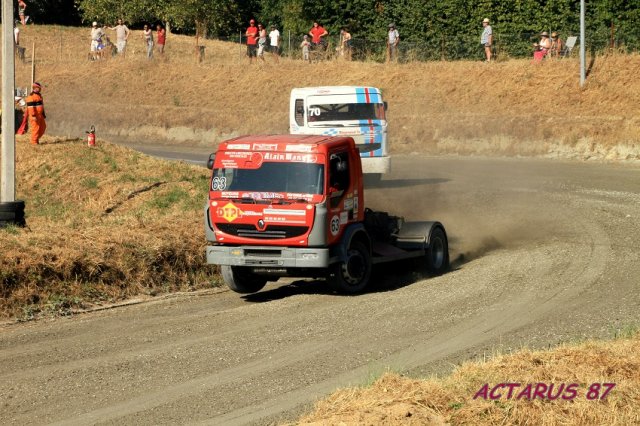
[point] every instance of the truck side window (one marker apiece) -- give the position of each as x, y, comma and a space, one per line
299, 107
338, 176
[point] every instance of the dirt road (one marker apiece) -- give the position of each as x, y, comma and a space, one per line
545, 252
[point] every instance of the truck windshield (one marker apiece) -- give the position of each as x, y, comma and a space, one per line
345, 112
297, 178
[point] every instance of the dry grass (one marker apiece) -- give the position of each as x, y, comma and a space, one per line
395, 400
104, 224
508, 108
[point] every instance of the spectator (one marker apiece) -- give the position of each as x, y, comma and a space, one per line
345, 44
274, 42
104, 42
542, 47
16, 33
317, 32
161, 35
122, 35
252, 40
306, 46
16, 38
486, 39
147, 34
35, 111
557, 45
262, 41
96, 40
393, 38
22, 6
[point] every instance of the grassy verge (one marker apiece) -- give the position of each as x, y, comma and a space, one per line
393, 399
104, 224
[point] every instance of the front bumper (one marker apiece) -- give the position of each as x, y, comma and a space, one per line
265, 256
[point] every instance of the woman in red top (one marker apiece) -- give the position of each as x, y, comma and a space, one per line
161, 35
316, 33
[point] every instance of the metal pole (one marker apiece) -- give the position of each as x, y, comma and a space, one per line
583, 56
8, 169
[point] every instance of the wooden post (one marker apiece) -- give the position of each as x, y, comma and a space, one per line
33, 63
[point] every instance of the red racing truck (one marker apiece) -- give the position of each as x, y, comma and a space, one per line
293, 205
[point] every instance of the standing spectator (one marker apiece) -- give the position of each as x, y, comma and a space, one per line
252, 40
317, 32
16, 38
345, 44
22, 6
306, 46
96, 40
486, 39
16, 33
274, 42
35, 111
161, 35
147, 34
262, 41
122, 35
557, 45
542, 47
393, 39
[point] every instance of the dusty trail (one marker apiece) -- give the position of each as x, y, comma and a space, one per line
545, 252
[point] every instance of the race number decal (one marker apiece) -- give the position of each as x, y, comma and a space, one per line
335, 225
314, 112
219, 183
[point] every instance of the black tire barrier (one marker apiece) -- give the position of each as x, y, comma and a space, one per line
12, 213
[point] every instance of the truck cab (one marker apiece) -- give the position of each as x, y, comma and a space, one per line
355, 111
293, 205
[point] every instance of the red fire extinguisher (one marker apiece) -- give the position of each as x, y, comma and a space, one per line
91, 136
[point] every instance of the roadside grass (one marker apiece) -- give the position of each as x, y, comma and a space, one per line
394, 399
103, 224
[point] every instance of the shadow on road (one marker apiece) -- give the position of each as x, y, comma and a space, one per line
403, 183
385, 278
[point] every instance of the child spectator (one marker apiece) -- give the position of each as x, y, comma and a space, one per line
305, 45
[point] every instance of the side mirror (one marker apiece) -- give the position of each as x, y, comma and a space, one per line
386, 105
210, 161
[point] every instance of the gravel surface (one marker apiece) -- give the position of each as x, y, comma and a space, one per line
543, 252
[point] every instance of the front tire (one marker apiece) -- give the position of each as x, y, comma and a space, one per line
437, 256
352, 276
241, 280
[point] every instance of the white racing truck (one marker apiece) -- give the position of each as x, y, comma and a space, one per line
355, 111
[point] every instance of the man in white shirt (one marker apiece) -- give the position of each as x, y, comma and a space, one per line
392, 43
122, 35
274, 42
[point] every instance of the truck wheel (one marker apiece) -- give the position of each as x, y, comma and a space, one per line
438, 253
241, 280
353, 275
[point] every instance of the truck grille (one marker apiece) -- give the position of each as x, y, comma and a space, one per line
272, 232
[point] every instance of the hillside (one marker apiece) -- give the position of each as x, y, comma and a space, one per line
508, 108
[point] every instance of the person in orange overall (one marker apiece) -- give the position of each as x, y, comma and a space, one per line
35, 111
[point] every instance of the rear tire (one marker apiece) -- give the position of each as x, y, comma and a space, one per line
353, 275
242, 280
437, 255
